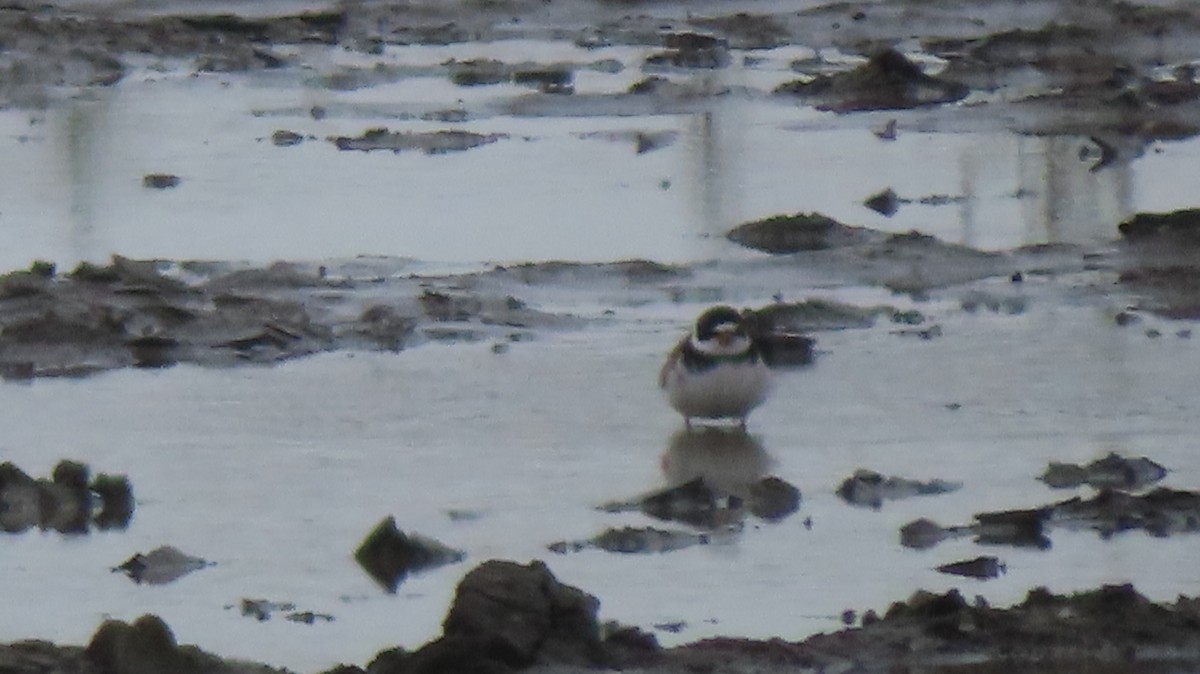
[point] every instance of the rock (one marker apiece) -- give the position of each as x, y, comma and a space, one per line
162, 565
983, 568
870, 489
886, 203
432, 142
888, 81
66, 503
160, 181
388, 555
525, 615
785, 234
452, 654
1113, 471
148, 647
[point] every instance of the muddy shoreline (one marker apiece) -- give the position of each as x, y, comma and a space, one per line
508, 617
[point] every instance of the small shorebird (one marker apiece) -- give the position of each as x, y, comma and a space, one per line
717, 371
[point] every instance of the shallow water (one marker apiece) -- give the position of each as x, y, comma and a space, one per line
276, 474
73, 174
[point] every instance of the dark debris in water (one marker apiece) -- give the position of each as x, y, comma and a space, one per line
1162, 512
430, 142
869, 489
162, 565
160, 181
1112, 471
700, 504
982, 568
647, 540
263, 610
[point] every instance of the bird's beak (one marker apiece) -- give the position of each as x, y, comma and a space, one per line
725, 335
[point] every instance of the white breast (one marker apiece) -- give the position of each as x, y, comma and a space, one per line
729, 390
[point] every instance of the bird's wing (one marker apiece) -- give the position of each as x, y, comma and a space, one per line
672, 359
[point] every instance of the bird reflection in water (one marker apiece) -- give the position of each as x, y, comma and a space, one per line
715, 476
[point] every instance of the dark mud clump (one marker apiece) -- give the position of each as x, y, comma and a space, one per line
432, 142
981, 568
389, 555
784, 234
507, 616
1113, 471
869, 489
263, 610
70, 502
162, 565
699, 503
888, 81
160, 181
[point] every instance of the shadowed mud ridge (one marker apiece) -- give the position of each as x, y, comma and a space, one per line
508, 617
155, 314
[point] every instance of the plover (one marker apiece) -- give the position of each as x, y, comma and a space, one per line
717, 371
